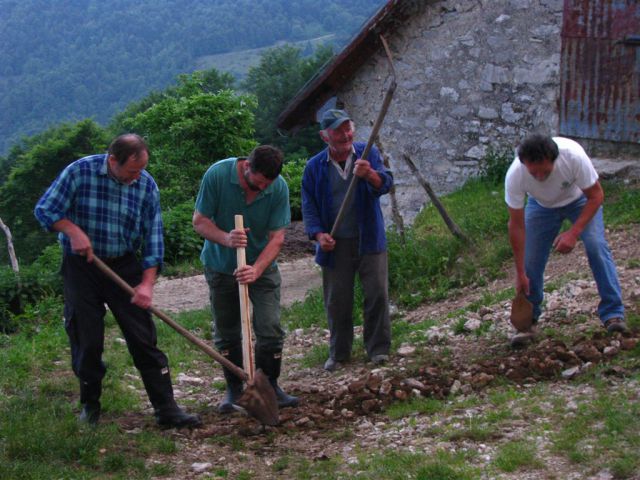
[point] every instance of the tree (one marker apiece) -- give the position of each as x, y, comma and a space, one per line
187, 134
63, 61
202, 81
275, 81
34, 170
188, 127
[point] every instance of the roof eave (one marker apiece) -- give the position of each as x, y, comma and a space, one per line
302, 108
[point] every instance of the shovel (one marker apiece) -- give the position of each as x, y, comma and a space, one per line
521, 313
267, 400
258, 398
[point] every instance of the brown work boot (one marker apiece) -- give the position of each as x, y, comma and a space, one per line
614, 325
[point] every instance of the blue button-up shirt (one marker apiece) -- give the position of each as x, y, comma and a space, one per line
117, 218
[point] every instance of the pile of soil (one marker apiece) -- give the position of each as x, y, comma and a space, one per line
296, 243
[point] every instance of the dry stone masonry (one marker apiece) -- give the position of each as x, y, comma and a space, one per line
473, 75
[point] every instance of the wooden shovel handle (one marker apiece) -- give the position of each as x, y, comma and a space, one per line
201, 344
245, 309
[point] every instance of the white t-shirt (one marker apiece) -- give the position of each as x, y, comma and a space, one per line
572, 173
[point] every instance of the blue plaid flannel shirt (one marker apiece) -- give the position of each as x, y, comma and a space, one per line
117, 218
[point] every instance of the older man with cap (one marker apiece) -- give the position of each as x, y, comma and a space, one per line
358, 245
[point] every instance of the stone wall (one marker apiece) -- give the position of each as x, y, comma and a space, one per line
472, 75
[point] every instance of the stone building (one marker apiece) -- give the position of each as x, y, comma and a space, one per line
473, 76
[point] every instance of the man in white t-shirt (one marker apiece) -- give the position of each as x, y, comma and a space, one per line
560, 182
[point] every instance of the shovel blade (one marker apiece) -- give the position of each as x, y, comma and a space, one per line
521, 313
259, 400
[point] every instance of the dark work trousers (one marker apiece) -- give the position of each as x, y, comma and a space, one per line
264, 294
338, 287
86, 290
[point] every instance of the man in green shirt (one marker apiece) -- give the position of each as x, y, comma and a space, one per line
251, 187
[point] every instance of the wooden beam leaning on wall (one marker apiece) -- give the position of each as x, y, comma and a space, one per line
453, 227
396, 216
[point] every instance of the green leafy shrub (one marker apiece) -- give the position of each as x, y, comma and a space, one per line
9, 299
281, 73
34, 282
181, 242
292, 173
43, 158
187, 134
495, 164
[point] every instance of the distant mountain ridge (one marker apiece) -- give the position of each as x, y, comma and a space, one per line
64, 61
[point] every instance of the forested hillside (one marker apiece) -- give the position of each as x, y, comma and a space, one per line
69, 60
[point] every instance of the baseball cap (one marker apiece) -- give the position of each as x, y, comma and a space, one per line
333, 119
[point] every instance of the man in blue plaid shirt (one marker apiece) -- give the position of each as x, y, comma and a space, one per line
108, 205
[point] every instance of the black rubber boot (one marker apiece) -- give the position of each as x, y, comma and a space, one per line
157, 382
234, 384
270, 364
90, 400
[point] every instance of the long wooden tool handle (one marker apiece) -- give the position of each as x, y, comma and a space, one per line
245, 309
374, 133
201, 344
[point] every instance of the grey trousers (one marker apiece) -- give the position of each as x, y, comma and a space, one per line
338, 286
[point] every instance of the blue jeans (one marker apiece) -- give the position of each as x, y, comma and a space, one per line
542, 227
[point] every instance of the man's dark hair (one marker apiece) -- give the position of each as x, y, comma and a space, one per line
125, 145
536, 148
266, 160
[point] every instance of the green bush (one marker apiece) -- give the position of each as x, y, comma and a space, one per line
187, 134
495, 164
292, 173
181, 242
44, 157
31, 284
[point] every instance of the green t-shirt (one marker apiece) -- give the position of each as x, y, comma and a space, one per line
221, 198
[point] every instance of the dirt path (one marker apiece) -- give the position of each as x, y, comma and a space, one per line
192, 293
